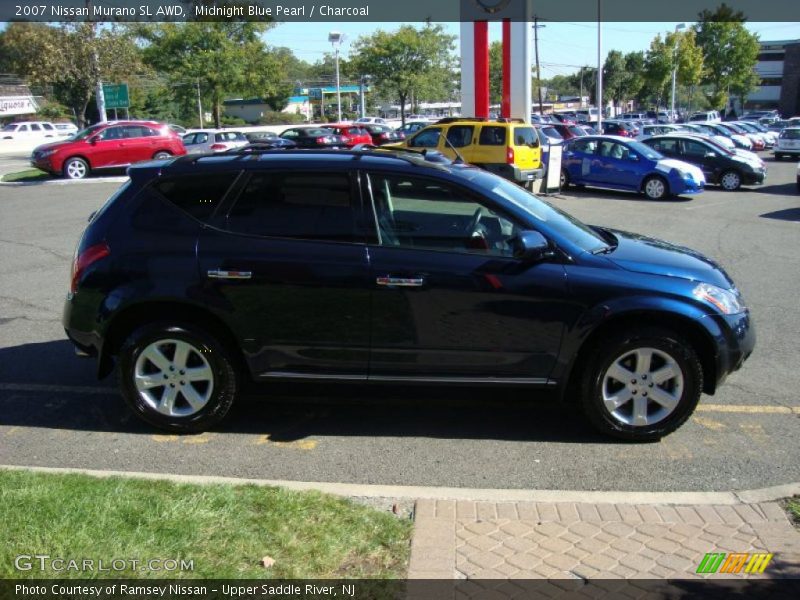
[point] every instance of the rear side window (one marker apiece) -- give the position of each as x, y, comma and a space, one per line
311, 206
460, 135
492, 136
525, 136
197, 195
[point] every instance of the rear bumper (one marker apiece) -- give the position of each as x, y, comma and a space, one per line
787, 151
514, 173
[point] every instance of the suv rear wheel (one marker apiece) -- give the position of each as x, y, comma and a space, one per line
641, 385
177, 377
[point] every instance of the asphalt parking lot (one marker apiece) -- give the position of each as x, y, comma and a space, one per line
53, 412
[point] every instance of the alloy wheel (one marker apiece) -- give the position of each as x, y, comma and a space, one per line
174, 377
642, 387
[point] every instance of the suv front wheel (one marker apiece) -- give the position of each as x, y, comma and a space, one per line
177, 377
641, 385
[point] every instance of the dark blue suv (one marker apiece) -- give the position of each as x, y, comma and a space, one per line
385, 266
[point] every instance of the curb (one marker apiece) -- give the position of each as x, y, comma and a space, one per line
767, 494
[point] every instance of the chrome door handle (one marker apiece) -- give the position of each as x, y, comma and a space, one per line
401, 281
215, 274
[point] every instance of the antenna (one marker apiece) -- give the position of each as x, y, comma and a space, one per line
459, 159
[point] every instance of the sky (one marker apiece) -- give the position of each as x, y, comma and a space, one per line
563, 47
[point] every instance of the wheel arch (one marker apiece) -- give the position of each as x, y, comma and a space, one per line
131, 318
695, 333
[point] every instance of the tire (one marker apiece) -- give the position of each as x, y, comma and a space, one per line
212, 389
564, 183
655, 188
75, 168
730, 180
602, 384
162, 155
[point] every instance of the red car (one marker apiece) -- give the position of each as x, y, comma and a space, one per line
569, 130
112, 145
352, 134
383, 134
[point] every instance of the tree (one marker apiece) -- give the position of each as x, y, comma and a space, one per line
225, 57
614, 76
729, 53
658, 64
634, 79
496, 73
690, 61
405, 61
64, 57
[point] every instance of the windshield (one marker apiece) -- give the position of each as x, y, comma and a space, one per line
790, 134
540, 211
86, 132
645, 150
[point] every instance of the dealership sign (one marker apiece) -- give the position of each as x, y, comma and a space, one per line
17, 105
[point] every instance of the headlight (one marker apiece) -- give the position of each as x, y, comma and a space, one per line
46, 153
725, 300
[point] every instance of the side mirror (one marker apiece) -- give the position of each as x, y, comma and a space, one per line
93, 140
530, 245
710, 155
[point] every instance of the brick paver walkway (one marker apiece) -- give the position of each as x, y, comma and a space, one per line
530, 540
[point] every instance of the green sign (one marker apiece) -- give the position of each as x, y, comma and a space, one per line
116, 95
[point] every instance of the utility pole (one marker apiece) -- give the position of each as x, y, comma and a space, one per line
199, 103
98, 84
599, 69
536, 51
335, 38
678, 27
582, 89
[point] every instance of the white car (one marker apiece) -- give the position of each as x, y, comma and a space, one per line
788, 143
28, 130
708, 116
374, 120
65, 129
660, 129
721, 139
207, 141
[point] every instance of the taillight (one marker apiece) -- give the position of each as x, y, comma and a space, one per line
322, 140
218, 147
384, 136
345, 139
510, 155
86, 259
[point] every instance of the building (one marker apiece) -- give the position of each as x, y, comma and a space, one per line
778, 67
16, 99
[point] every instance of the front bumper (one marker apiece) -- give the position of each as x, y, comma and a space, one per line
736, 344
43, 164
754, 177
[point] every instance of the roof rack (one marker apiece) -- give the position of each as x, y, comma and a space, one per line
408, 155
446, 120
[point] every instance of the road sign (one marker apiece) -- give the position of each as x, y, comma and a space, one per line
116, 95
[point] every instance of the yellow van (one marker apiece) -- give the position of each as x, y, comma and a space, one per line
507, 147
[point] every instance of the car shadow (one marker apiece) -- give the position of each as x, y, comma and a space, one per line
786, 189
787, 214
598, 193
43, 385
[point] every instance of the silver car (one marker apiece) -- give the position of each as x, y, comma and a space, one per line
208, 141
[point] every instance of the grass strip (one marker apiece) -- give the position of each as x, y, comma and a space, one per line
224, 530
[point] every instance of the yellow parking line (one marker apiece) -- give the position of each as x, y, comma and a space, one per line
709, 423
749, 408
297, 444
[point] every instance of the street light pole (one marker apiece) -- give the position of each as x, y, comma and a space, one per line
199, 103
335, 38
599, 70
536, 27
678, 27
